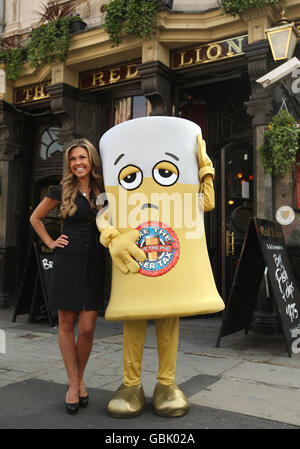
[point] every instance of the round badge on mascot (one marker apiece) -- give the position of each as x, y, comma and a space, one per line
158, 182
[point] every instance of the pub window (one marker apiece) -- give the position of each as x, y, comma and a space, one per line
122, 110
48, 143
139, 106
130, 107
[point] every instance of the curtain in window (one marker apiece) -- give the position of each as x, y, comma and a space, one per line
122, 110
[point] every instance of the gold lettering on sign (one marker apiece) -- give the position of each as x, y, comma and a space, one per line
115, 75
198, 56
28, 92
109, 75
182, 61
39, 92
130, 73
210, 50
238, 48
98, 79
31, 93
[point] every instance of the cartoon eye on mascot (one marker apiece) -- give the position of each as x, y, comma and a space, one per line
154, 169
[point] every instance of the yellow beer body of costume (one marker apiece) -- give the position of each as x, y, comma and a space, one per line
153, 169
186, 289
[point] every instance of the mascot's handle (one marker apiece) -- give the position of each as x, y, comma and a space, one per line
122, 247
205, 164
206, 175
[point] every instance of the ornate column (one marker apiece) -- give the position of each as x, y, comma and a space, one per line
156, 86
265, 319
156, 77
76, 111
10, 133
13, 17
260, 108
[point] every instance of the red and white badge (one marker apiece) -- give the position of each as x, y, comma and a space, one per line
161, 246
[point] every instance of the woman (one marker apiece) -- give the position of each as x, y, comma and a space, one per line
78, 261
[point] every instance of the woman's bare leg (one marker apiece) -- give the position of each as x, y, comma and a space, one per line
86, 326
66, 339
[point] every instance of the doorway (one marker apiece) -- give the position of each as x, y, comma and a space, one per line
47, 171
219, 109
236, 206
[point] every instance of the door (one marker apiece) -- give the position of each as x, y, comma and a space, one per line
236, 206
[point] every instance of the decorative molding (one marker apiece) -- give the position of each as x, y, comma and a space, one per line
260, 105
260, 110
156, 86
10, 131
270, 12
72, 107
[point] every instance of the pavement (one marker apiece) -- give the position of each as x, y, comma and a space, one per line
248, 382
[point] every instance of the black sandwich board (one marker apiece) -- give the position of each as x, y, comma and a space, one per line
263, 251
36, 286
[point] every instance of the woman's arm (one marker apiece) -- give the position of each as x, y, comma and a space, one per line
40, 212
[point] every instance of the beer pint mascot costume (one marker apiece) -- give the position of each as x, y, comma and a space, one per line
154, 168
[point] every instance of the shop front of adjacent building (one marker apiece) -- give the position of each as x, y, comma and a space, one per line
202, 73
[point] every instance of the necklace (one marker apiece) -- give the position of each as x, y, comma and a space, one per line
84, 192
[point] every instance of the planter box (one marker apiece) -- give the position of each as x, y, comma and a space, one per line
77, 25
167, 4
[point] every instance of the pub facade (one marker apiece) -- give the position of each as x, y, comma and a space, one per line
202, 65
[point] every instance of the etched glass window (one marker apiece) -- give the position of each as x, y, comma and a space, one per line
49, 143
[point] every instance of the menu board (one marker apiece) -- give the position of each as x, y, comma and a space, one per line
264, 251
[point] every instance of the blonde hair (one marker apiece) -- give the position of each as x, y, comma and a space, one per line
69, 181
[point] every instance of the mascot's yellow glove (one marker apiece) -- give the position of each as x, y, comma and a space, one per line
122, 247
206, 175
205, 164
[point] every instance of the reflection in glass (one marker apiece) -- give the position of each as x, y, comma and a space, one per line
240, 177
139, 106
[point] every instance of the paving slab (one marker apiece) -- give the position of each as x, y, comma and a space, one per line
255, 399
37, 404
268, 374
248, 382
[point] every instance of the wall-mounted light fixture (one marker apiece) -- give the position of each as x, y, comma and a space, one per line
282, 39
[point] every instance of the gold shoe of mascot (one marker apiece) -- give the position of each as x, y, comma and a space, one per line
158, 181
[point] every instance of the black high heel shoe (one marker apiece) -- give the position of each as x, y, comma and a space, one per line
83, 401
72, 408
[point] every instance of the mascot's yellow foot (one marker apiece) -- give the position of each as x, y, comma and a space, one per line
169, 401
127, 402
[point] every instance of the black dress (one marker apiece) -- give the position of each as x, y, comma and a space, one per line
79, 267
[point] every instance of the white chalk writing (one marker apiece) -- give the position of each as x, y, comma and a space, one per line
285, 286
47, 264
296, 333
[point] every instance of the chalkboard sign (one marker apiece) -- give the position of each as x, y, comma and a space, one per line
36, 286
264, 251
24, 297
45, 263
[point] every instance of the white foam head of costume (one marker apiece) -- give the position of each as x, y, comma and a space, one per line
146, 141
